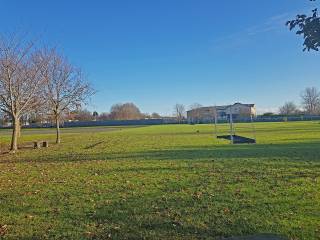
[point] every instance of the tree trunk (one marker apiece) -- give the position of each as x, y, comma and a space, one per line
19, 129
58, 129
15, 134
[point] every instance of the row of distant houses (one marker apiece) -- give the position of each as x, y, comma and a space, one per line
209, 114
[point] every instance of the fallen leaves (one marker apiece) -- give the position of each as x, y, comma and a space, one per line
3, 229
197, 195
28, 216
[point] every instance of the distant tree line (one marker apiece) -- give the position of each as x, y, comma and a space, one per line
124, 111
119, 111
310, 104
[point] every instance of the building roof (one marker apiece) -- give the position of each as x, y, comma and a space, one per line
200, 108
245, 104
224, 107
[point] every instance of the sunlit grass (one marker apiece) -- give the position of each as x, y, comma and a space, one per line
164, 182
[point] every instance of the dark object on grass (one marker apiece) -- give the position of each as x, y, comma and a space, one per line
94, 145
238, 139
45, 144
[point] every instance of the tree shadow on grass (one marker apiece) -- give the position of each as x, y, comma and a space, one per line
135, 222
292, 151
306, 152
262, 236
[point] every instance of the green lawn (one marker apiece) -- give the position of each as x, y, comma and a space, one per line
163, 182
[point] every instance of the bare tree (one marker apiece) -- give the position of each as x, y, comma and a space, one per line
126, 111
155, 115
311, 100
83, 115
20, 80
289, 108
65, 87
179, 112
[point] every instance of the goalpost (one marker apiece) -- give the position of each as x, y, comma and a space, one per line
232, 136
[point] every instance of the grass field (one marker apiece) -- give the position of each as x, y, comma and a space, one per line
163, 182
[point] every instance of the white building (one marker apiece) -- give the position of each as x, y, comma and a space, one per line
207, 114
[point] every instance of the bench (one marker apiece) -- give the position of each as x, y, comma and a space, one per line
39, 144
45, 144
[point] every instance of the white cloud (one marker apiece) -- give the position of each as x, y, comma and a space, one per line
237, 39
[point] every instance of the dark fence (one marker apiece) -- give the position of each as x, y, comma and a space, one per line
286, 118
121, 123
107, 123
263, 119
169, 121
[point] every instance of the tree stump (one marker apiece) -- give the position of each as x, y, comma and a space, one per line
37, 145
45, 144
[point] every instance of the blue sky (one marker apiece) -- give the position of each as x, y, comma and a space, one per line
158, 53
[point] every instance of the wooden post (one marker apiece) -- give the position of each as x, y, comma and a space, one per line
231, 126
215, 121
253, 129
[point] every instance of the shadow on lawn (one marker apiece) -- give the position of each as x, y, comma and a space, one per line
293, 151
131, 221
258, 237
306, 152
